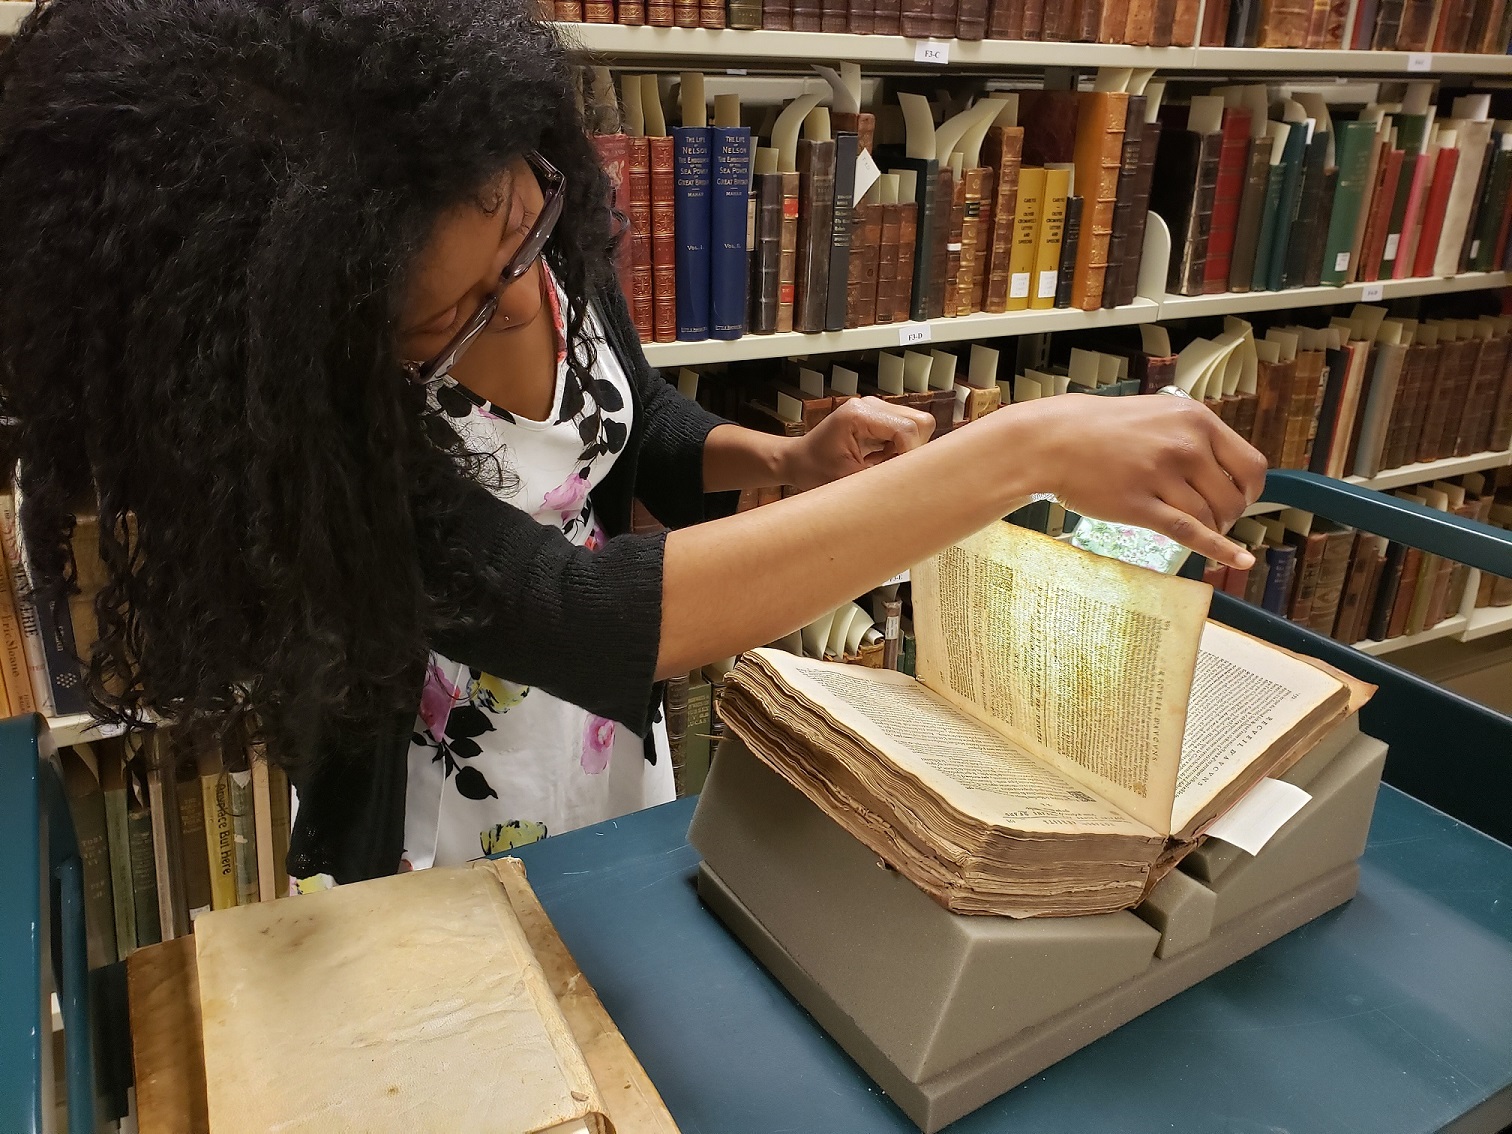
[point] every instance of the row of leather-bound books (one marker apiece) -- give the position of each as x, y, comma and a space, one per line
1269, 195
1031, 199
1354, 586
1477, 26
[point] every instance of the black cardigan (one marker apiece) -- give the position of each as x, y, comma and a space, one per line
546, 629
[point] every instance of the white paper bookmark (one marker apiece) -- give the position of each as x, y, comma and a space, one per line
1252, 821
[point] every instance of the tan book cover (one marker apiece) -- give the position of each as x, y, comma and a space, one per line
1099, 158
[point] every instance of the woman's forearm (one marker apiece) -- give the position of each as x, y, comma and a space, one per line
736, 458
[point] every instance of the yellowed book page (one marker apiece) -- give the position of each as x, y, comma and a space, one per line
1245, 698
978, 770
1083, 661
389, 1006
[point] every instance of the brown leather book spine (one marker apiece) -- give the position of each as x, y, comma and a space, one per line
1284, 23
1163, 30
1005, 19
916, 18
908, 235
864, 266
1373, 245
889, 17
1494, 362
1273, 385
1302, 413
1337, 25
939, 245
1184, 25
1057, 25
962, 279
971, 19
1034, 19
807, 16
1401, 607
685, 13
788, 263
745, 14
1460, 429
659, 13
569, 11
642, 290
1139, 214
863, 125
631, 13
1233, 160
1086, 20
766, 258
1356, 580
1140, 29
1099, 159
816, 218
942, 18
1438, 383
1388, 25
1244, 415
776, 15
1501, 421
1405, 410
1001, 152
1251, 214
887, 263
1309, 565
1456, 373
1215, 18
1332, 573
1123, 208
1113, 21
663, 241
983, 235
953, 245
598, 11
834, 16
862, 21
711, 14
1316, 23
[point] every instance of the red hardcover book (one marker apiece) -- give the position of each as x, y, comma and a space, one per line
1233, 164
663, 241
599, 11
1373, 247
568, 11
631, 13
1433, 211
642, 301
685, 13
711, 14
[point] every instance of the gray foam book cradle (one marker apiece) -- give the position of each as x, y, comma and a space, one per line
946, 1012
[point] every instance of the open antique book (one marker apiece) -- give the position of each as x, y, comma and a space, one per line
1075, 726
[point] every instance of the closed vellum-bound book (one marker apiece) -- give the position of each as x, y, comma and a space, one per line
1079, 831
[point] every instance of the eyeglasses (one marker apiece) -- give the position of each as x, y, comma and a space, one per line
553, 185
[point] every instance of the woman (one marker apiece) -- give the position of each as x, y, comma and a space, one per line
321, 293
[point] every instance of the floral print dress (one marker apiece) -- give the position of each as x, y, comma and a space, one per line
492, 764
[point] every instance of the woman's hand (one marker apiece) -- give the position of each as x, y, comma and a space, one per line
859, 433
1162, 463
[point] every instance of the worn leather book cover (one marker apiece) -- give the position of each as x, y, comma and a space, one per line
1303, 245
663, 239
1123, 206
787, 273
968, 257
1005, 19
1184, 23
834, 16
1139, 28
1186, 184
659, 13
1436, 405
1284, 23
1071, 231
1099, 158
745, 14
1233, 162
1057, 25
1317, 231
1336, 25
1491, 376
1406, 592
917, 18
1086, 20
1501, 419
1163, 27
1317, 24
1139, 214
766, 257
685, 13
863, 125
816, 215
863, 265
1406, 413
1454, 378
939, 246
1309, 565
971, 19
1352, 592
1302, 410
840, 230
598, 11
631, 13
1388, 25
927, 187
1251, 211
807, 16
888, 17
642, 303
908, 245
1474, 383
777, 15
1373, 247
1113, 22
1215, 21
942, 18
983, 235
1034, 19
861, 20
889, 260
569, 11
1378, 625
1451, 30
950, 276
1001, 152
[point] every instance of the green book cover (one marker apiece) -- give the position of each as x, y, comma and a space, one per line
143, 866
1493, 204
86, 803
1265, 243
696, 747
1302, 245
196, 864
118, 837
1294, 161
1355, 140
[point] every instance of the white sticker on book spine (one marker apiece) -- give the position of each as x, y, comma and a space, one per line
1392, 243
1018, 286
1420, 61
1372, 293
1263, 811
1341, 262
1046, 285
929, 51
910, 333
866, 174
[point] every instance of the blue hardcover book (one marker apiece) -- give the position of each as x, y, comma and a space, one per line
1281, 564
729, 255
1293, 159
692, 171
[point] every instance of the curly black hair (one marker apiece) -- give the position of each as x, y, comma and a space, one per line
211, 208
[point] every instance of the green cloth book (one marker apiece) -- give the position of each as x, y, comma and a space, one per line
1270, 214
1293, 161
1354, 143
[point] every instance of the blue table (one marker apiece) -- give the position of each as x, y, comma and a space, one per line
1391, 1015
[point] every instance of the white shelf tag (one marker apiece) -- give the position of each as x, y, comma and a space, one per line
1420, 61
736, 71
910, 333
902, 577
930, 51
1372, 293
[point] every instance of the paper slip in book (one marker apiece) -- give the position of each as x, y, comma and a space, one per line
1076, 725
405, 1004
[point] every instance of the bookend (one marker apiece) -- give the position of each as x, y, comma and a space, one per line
946, 1012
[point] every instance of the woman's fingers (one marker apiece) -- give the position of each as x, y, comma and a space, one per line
1188, 531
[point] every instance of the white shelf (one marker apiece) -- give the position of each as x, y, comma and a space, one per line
791, 344
1448, 628
79, 728
1238, 302
1486, 621
797, 49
